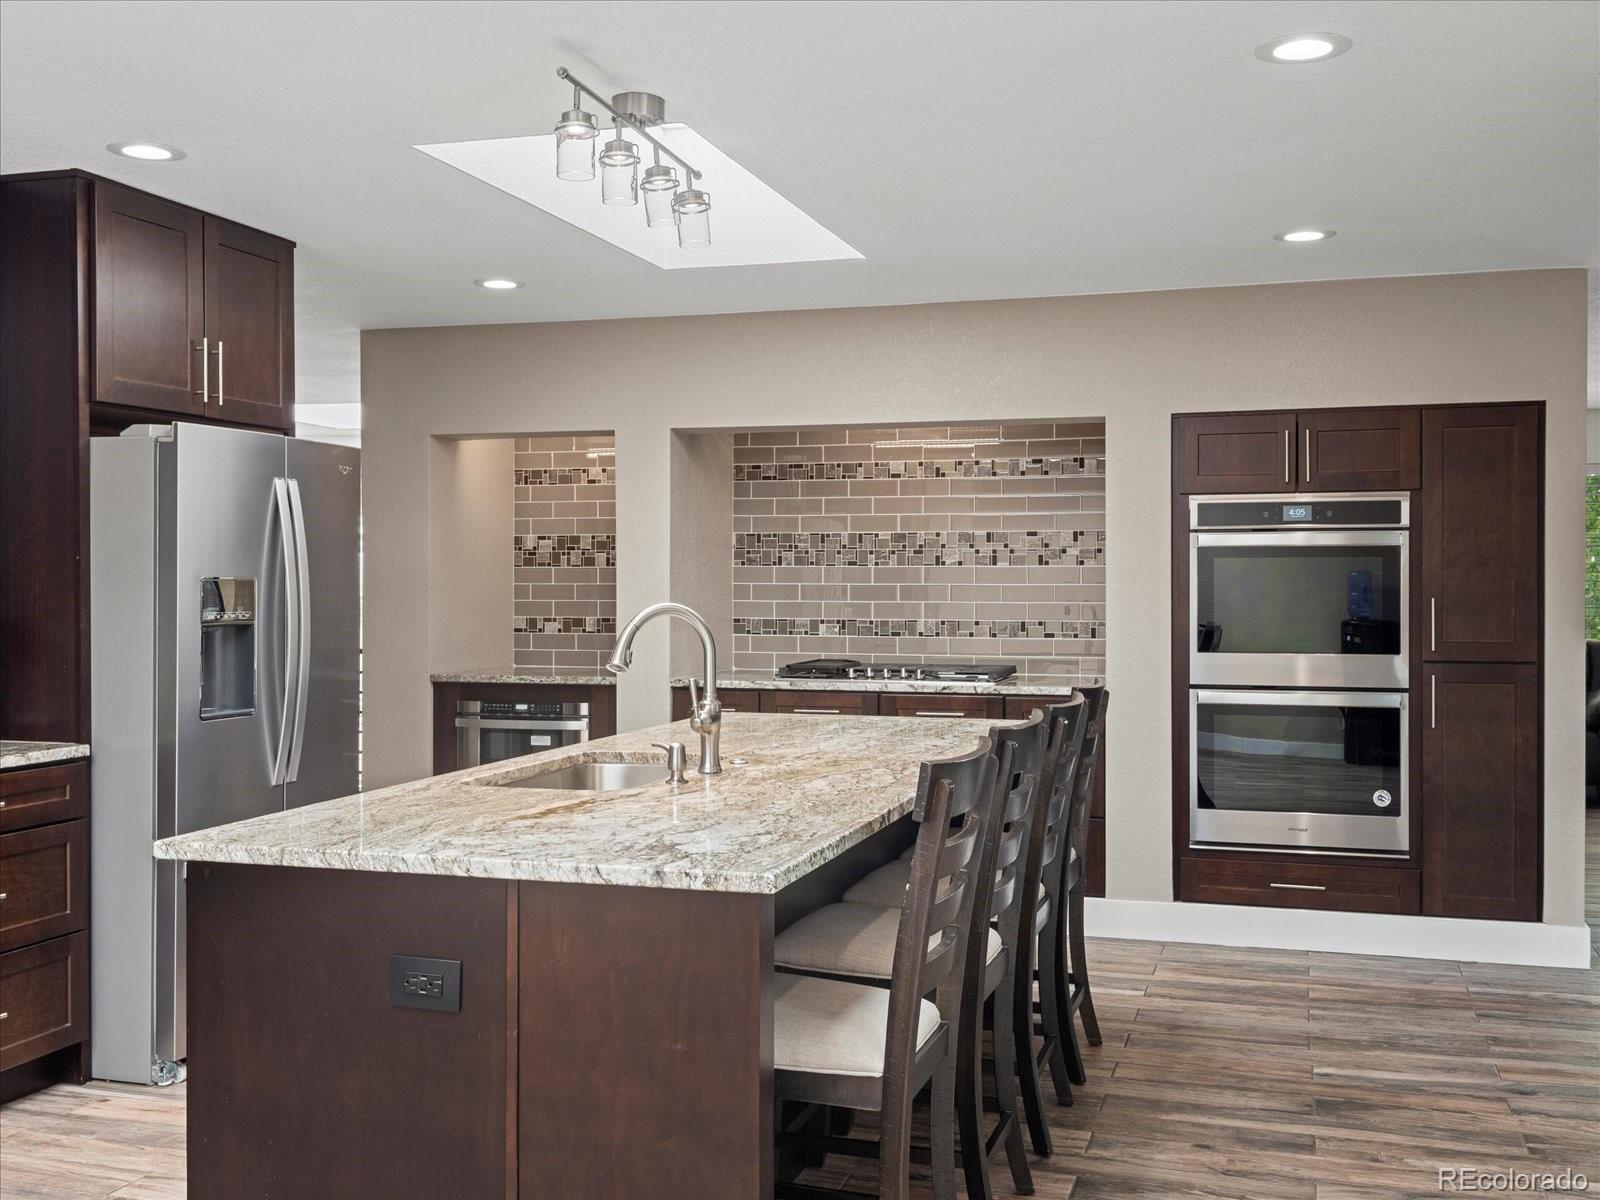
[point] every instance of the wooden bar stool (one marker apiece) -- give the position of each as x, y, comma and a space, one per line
991, 982
1073, 993
1041, 882
849, 1045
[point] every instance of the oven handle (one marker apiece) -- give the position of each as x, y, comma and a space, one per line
1302, 537
529, 726
1301, 699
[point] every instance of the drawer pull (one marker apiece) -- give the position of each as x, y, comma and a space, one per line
818, 711
1301, 887
939, 712
2, 895
3, 1016
2, 803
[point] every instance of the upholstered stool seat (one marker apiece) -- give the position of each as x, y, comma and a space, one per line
849, 939
834, 1027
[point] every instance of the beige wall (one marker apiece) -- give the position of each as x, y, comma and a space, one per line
1134, 359
467, 553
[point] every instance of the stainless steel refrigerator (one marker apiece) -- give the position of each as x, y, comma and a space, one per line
224, 627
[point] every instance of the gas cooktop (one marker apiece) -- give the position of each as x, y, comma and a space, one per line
850, 668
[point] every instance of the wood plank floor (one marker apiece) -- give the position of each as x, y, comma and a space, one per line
1225, 1073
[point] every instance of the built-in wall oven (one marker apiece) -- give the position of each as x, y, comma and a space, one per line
1304, 770
1298, 670
1299, 591
489, 731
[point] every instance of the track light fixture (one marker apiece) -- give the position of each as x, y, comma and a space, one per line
665, 202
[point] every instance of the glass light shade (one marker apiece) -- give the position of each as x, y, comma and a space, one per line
619, 152
659, 186
575, 138
619, 184
693, 210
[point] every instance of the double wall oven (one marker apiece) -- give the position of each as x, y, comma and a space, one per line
1298, 673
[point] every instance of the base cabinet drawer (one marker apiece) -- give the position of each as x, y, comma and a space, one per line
913, 705
827, 704
1338, 888
743, 700
39, 795
44, 998
44, 883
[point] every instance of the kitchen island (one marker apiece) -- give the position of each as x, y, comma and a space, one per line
603, 1023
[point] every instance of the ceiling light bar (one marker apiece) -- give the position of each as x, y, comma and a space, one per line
664, 204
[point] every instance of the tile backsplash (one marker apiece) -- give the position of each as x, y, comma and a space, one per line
922, 553
564, 540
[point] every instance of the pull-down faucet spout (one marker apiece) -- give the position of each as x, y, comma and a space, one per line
705, 716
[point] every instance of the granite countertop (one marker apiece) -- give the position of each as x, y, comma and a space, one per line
38, 754
1017, 685
570, 676
809, 789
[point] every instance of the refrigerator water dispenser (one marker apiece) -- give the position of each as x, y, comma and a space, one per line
227, 647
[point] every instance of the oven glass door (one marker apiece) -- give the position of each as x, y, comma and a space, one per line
1303, 608
1304, 770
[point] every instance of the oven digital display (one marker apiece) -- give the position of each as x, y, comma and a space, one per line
1297, 512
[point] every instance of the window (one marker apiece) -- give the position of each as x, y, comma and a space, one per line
1591, 572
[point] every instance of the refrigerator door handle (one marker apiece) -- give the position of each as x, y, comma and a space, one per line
301, 648
291, 664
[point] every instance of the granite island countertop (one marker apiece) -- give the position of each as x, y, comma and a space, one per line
547, 676
38, 754
808, 789
1016, 685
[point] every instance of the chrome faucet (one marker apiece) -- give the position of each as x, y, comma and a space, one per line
705, 711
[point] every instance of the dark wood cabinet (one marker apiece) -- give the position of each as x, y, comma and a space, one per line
920, 704
249, 324
148, 303
44, 918
44, 992
826, 704
1481, 543
1279, 883
1475, 477
733, 700
1362, 449
44, 883
1480, 783
1236, 452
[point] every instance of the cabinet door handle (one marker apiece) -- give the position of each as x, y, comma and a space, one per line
817, 711
938, 712
1300, 887
204, 391
2, 803
3, 1016
1433, 622
1433, 702
1287, 476
219, 372
2, 895
1308, 456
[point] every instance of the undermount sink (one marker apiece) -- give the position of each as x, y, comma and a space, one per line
594, 776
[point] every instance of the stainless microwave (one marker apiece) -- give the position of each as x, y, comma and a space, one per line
1299, 591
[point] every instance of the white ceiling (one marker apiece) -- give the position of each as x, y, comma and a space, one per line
968, 150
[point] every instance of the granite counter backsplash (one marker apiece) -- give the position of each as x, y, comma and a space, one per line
920, 552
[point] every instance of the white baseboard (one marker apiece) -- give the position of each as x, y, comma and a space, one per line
1520, 943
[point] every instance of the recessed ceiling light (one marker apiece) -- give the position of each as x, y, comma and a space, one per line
497, 285
1305, 235
1303, 47
146, 151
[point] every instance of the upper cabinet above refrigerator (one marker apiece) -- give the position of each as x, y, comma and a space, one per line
1318, 450
194, 315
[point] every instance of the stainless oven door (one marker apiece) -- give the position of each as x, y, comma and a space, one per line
1300, 608
1322, 771
482, 740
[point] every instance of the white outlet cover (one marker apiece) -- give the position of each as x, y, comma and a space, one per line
751, 225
